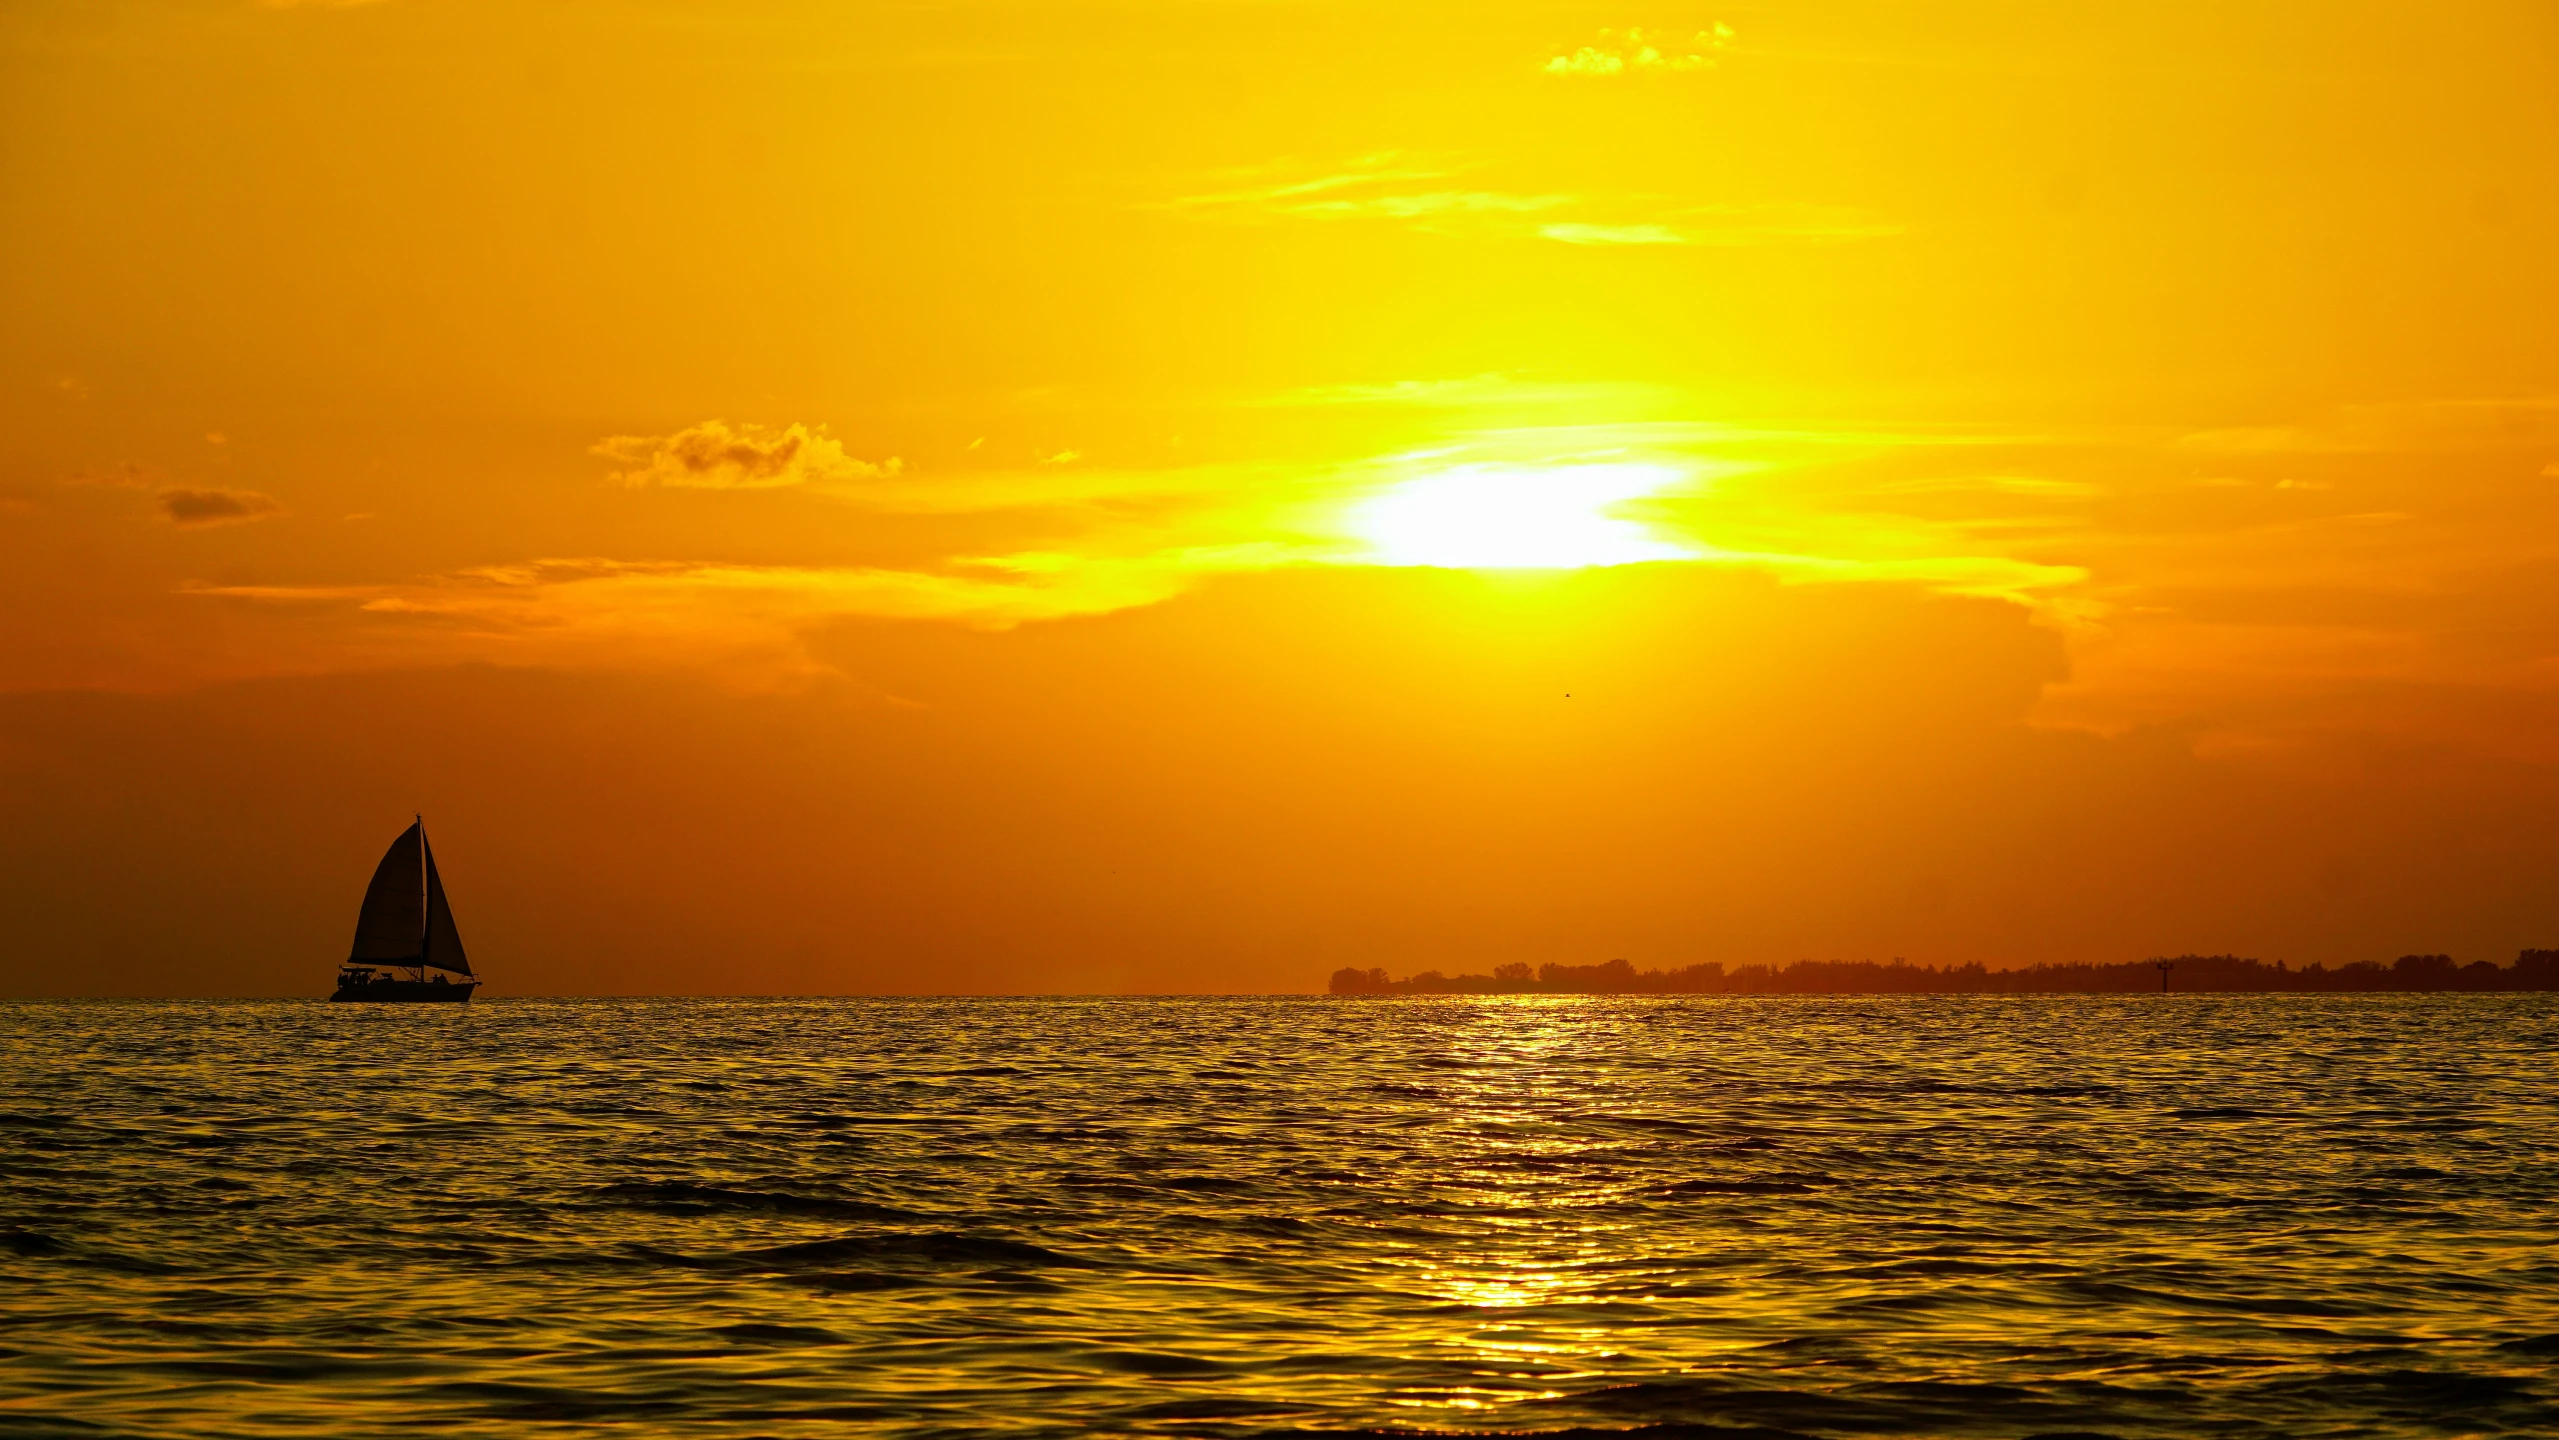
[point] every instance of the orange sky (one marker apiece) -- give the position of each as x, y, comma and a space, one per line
1058, 496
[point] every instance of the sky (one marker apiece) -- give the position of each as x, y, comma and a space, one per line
823, 498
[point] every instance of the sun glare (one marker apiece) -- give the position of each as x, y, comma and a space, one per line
1517, 517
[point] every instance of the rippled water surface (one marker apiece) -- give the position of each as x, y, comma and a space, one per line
2132, 1216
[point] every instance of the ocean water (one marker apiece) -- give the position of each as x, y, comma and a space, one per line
2190, 1215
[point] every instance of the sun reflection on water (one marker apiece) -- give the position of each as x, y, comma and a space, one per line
1528, 1251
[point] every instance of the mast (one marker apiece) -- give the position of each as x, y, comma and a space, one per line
425, 930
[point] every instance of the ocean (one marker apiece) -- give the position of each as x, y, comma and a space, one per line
2174, 1216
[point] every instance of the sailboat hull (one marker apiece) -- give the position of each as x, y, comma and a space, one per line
406, 992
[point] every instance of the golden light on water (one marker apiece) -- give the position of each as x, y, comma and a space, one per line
1519, 517
1511, 1294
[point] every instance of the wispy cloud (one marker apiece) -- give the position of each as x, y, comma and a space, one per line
2036, 486
1120, 539
1508, 393
1384, 186
1734, 225
2240, 601
128, 476
1431, 203
1721, 496
216, 507
1577, 234
180, 504
2180, 603
749, 624
716, 455
1435, 196
2492, 423
1636, 51
1278, 187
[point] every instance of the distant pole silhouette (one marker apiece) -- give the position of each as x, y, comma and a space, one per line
2164, 967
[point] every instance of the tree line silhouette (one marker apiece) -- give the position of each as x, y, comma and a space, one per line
2532, 970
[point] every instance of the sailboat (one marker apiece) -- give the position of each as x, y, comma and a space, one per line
406, 925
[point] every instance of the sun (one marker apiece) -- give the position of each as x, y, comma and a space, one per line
1517, 517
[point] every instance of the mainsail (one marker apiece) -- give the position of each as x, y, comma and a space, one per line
392, 926
405, 920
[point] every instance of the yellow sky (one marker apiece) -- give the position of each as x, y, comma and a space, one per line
2178, 387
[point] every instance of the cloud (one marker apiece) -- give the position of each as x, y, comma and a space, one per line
127, 476
2497, 423
753, 623
2035, 486
1268, 187
1735, 501
1097, 539
1432, 203
1575, 234
1635, 51
1778, 224
2194, 588
749, 625
1382, 186
1430, 195
1495, 391
217, 507
183, 505
2178, 604
716, 455
1767, 224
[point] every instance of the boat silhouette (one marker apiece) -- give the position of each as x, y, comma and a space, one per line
406, 924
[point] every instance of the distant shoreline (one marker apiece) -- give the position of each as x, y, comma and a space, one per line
2533, 970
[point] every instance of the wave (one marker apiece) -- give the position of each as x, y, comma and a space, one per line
685, 1197
934, 1249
